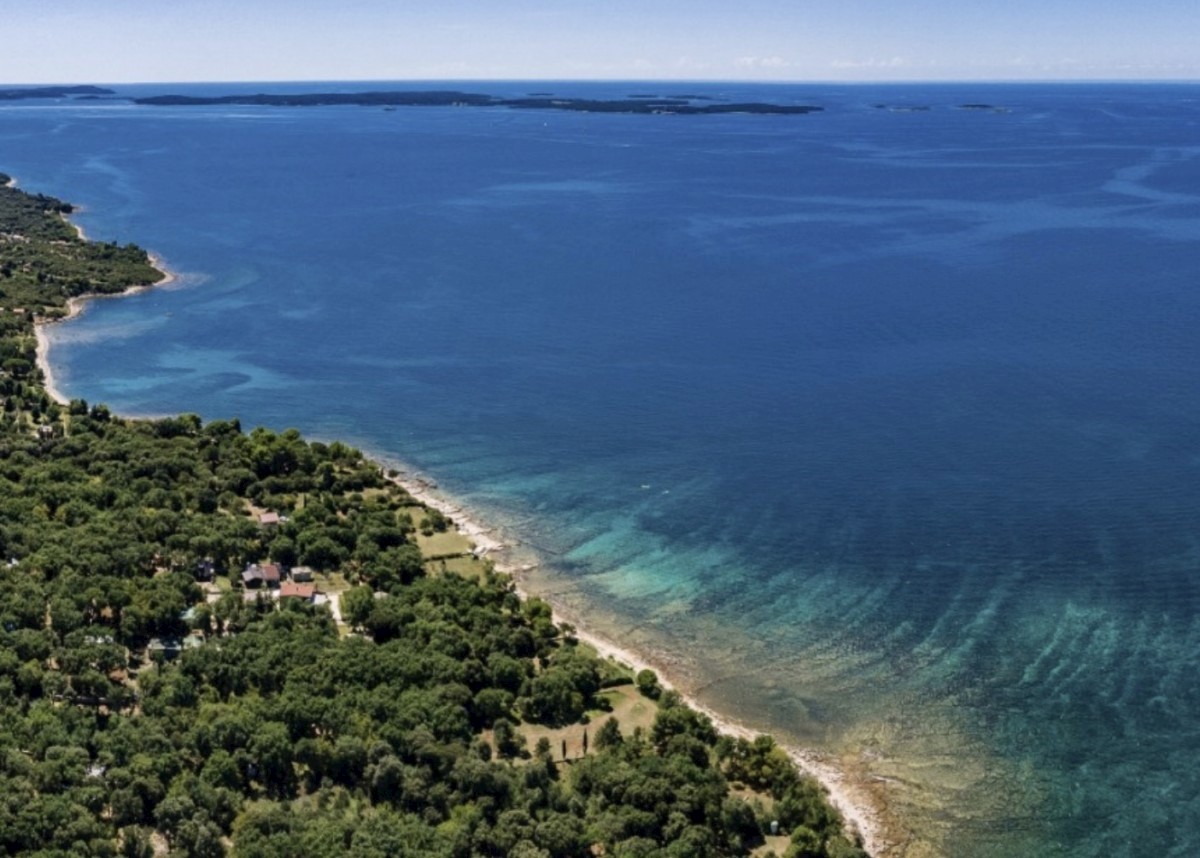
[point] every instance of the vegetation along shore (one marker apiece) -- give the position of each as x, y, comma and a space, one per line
219, 642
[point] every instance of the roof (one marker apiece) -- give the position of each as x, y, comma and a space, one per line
268, 518
268, 572
297, 591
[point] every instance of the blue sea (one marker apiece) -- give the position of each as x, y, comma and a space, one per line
878, 427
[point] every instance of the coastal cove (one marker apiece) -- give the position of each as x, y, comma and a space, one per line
105, 583
875, 429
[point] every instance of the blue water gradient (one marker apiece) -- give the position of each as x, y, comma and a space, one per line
882, 427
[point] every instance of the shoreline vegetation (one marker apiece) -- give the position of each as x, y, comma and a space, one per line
160, 695
852, 801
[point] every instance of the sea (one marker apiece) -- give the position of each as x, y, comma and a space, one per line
877, 428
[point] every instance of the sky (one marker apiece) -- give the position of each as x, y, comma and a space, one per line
126, 41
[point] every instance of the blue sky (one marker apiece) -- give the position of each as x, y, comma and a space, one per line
769, 40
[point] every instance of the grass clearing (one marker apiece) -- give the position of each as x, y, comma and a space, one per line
448, 544
630, 708
414, 512
774, 846
333, 583
467, 567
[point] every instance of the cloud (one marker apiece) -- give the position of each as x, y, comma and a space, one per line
872, 63
762, 63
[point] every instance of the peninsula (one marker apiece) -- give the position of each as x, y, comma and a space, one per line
224, 642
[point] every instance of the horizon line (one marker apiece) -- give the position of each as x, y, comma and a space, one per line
1183, 81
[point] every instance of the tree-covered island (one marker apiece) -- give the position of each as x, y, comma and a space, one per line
218, 642
684, 105
27, 92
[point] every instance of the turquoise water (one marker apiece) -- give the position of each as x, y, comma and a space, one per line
880, 427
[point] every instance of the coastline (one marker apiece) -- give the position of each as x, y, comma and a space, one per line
861, 809
862, 812
76, 306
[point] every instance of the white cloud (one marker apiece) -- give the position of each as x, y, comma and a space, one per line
871, 63
762, 63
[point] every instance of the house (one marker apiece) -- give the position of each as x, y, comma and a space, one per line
302, 574
164, 649
252, 577
268, 519
262, 575
292, 590
272, 574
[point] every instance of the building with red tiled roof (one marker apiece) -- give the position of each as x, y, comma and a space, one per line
291, 590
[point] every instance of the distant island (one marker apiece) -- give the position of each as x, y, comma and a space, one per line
52, 92
451, 98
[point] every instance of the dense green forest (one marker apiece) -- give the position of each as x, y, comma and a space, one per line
155, 700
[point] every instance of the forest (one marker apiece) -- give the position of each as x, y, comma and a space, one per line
157, 698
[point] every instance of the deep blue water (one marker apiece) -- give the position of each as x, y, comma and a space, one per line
882, 427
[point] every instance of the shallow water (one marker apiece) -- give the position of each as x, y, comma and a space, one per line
881, 428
